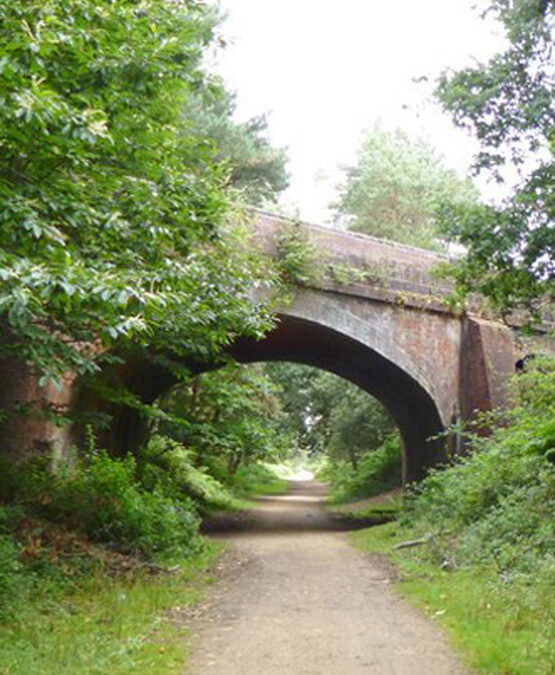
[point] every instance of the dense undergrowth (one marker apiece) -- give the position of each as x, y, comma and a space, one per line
484, 535
377, 471
496, 507
111, 621
108, 515
99, 560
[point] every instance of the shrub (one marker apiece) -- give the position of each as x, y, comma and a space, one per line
166, 462
497, 505
378, 471
297, 258
103, 498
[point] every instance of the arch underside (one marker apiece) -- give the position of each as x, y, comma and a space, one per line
305, 342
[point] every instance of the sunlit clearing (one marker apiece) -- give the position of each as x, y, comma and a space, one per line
302, 474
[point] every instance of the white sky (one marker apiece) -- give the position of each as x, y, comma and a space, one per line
325, 71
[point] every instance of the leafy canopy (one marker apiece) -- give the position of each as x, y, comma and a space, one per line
329, 415
233, 414
111, 211
508, 106
396, 187
255, 169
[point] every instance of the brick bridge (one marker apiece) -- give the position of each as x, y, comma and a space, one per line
388, 332
391, 334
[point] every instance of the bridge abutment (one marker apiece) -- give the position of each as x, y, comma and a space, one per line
389, 333
487, 362
32, 421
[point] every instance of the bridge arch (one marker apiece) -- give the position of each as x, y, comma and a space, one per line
390, 335
308, 342
389, 332
317, 330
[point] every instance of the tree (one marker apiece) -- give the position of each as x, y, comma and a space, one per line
307, 395
255, 168
330, 415
112, 224
396, 187
233, 414
508, 105
359, 424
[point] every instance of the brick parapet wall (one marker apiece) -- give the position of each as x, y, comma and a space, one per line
391, 267
397, 273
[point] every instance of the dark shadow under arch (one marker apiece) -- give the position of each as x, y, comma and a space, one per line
301, 341
305, 342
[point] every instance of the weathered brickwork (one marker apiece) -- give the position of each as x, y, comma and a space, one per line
430, 365
391, 334
405, 269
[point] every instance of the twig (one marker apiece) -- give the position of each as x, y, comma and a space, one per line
413, 542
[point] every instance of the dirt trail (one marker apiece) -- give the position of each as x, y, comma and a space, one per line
297, 599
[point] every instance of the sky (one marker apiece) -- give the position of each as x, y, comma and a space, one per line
324, 71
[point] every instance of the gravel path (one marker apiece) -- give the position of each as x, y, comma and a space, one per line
297, 599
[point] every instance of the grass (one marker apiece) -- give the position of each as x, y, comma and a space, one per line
499, 627
248, 484
255, 480
126, 624
374, 514
378, 471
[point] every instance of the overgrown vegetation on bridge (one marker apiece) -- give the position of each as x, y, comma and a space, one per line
120, 171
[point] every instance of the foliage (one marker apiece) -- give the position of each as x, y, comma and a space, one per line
338, 422
14, 586
255, 479
507, 104
496, 507
396, 187
111, 213
164, 461
485, 527
303, 396
329, 415
345, 274
358, 424
297, 257
229, 416
255, 168
35, 556
108, 622
378, 470
499, 626
103, 498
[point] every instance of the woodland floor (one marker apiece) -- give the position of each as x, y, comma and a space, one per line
295, 598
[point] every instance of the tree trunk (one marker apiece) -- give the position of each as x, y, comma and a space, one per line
29, 425
234, 462
353, 459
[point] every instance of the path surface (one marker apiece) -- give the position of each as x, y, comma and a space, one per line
297, 599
